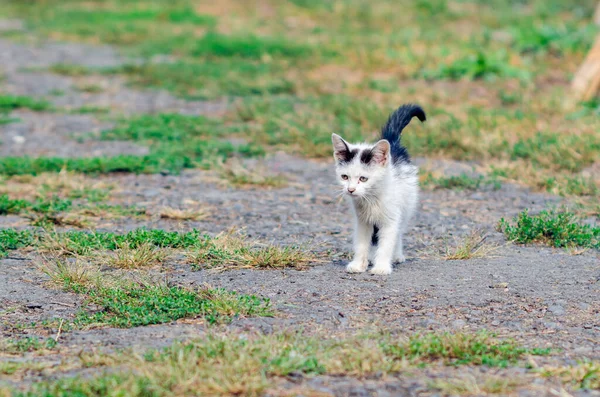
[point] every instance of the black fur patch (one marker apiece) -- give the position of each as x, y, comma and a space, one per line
366, 156
347, 156
375, 235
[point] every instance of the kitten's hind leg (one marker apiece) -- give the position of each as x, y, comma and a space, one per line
362, 243
399, 253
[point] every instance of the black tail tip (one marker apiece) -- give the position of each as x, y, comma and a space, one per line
414, 110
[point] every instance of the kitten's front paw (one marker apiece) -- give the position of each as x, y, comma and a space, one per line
356, 267
400, 259
381, 269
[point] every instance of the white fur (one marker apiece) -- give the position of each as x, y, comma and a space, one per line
387, 199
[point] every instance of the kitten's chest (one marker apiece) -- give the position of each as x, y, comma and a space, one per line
372, 212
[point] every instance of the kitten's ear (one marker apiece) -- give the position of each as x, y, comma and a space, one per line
381, 152
340, 147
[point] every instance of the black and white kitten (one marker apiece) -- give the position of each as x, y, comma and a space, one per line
383, 187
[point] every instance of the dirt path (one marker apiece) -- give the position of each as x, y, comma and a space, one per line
539, 295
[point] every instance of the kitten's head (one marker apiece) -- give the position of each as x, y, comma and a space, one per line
360, 167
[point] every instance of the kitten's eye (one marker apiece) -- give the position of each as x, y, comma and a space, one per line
363, 179
345, 177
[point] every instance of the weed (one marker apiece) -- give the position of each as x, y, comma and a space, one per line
557, 229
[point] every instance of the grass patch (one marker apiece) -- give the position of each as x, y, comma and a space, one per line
585, 375
479, 66
557, 229
182, 214
471, 246
471, 385
12, 102
226, 250
126, 303
176, 142
138, 306
249, 46
145, 255
210, 79
232, 365
241, 175
27, 344
230, 251
460, 182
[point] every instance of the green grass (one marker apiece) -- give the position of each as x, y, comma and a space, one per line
176, 142
478, 66
491, 78
459, 349
86, 243
228, 364
248, 46
12, 102
27, 344
461, 182
557, 229
134, 306
222, 251
11, 239
126, 300
48, 211
210, 79
8, 103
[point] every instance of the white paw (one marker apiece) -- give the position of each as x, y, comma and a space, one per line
399, 259
382, 270
356, 267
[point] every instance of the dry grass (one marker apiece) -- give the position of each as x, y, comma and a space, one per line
65, 184
483, 385
472, 246
183, 214
249, 364
242, 176
230, 250
582, 376
74, 271
144, 256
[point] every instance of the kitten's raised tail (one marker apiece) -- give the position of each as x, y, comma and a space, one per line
394, 126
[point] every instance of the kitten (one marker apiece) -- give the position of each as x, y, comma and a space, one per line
383, 187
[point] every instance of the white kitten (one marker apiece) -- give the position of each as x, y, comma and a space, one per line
383, 186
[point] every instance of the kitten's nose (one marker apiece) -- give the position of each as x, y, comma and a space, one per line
351, 189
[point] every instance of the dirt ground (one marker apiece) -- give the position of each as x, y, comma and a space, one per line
537, 295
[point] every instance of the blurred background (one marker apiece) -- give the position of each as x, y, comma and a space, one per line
494, 77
